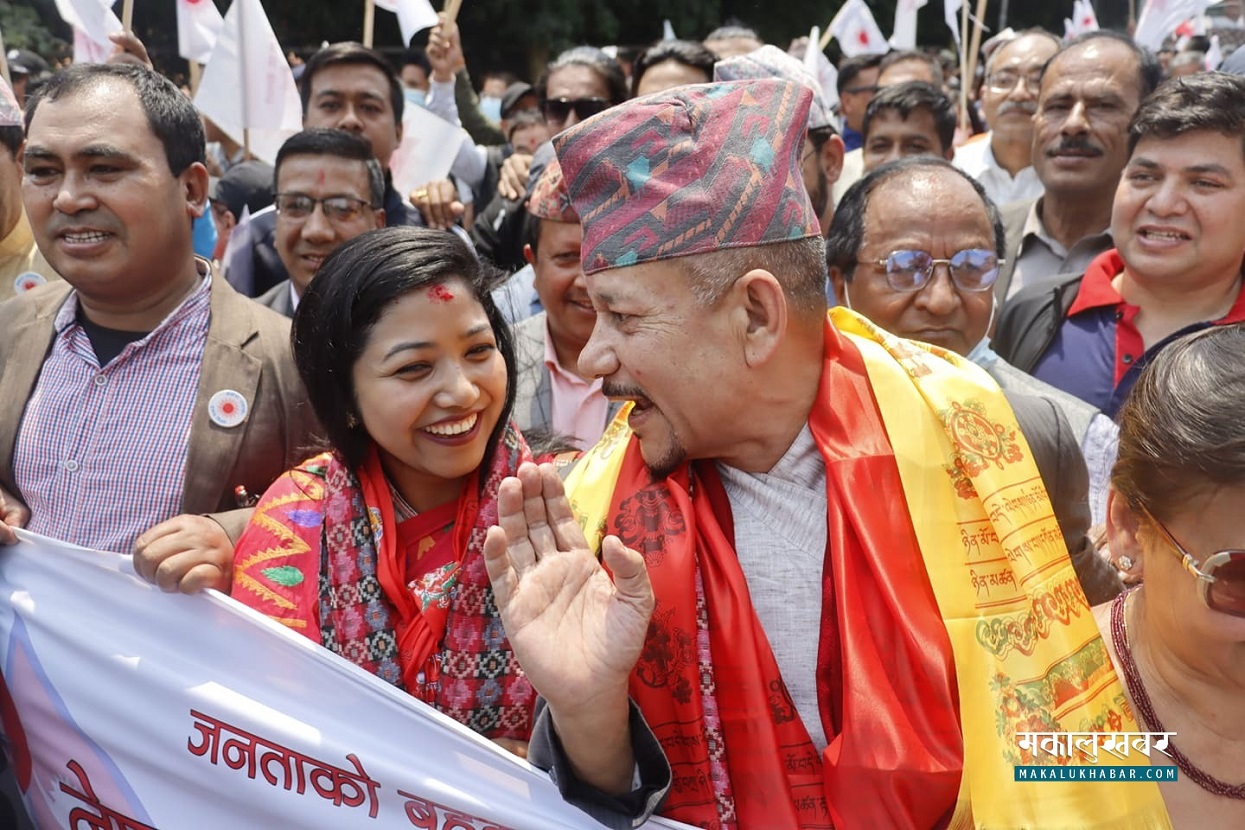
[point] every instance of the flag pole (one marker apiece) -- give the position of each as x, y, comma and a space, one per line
451, 10
242, 85
127, 16
826, 37
964, 120
196, 75
1132, 13
369, 21
4, 62
975, 46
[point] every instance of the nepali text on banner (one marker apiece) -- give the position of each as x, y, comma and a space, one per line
126, 707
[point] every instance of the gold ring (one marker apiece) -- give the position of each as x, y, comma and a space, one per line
421, 193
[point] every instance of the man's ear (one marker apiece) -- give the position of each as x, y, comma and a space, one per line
831, 159
529, 256
764, 314
195, 183
379, 214
1123, 523
949, 153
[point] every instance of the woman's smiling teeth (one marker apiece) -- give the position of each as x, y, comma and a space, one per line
449, 428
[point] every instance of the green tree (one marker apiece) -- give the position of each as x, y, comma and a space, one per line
24, 29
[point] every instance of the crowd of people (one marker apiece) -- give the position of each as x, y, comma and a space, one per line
739, 450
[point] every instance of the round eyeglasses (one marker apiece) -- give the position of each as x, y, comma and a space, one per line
974, 269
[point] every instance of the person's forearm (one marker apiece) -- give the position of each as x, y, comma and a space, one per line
597, 743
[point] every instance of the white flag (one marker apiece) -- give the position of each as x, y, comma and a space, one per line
818, 65
428, 149
413, 16
1160, 18
856, 30
252, 90
904, 36
1214, 55
667, 31
88, 50
951, 13
92, 22
1084, 19
198, 26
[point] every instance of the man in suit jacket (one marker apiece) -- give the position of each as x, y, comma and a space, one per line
552, 398
142, 387
879, 251
329, 189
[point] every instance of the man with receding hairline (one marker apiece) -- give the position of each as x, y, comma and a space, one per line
767, 649
143, 386
1002, 159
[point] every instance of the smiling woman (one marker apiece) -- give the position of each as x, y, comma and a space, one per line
373, 548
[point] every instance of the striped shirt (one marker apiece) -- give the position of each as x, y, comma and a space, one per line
101, 452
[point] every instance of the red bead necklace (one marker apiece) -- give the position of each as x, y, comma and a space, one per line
1150, 718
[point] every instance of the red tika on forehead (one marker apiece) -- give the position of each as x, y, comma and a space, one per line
440, 294
690, 170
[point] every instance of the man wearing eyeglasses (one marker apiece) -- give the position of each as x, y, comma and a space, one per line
929, 276
329, 189
1089, 91
1177, 262
1002, 159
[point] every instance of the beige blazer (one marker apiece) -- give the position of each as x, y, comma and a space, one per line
247, 350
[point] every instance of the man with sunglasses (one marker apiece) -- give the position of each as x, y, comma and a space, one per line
928, 276
1002, 159
329, 188
1176, 267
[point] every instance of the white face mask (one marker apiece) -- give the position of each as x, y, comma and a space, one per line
982, 354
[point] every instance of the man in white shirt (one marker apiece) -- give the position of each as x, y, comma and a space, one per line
1002, 159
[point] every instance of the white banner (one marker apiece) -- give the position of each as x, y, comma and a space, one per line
124, 707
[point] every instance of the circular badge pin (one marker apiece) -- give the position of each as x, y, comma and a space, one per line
227, 408
27, 281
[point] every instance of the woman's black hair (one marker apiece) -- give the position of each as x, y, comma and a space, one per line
350, 292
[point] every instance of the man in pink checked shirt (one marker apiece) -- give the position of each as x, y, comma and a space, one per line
142, 387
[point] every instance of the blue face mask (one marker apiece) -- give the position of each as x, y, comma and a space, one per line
416, 97
491, 107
